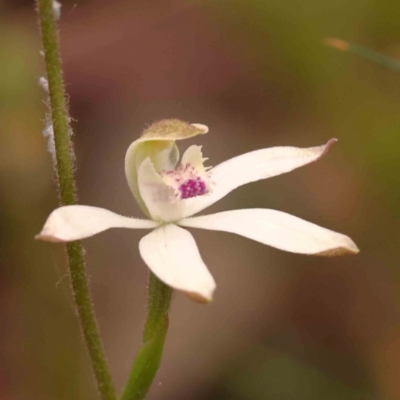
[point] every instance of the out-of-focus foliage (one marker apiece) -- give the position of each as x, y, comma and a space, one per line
282, 326
270, 375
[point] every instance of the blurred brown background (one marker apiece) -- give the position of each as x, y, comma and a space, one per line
282, 326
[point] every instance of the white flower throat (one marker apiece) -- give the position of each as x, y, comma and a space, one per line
186, 181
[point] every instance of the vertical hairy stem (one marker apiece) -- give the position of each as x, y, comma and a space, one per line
65, 173
148, 359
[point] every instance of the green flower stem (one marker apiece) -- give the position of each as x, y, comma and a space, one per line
148, 359
65, 173
365, 53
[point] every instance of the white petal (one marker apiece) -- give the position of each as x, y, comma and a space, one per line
164, 154
253, 166
172, 255
69, 223
194, 157
277, 229
156, 194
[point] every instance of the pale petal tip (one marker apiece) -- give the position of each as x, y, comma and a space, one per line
204, 295
200, 298
347, 248
332, 141
52, 228
201, 127
353, 249
47, 237
327, 146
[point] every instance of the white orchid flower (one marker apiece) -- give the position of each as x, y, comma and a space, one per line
170, 195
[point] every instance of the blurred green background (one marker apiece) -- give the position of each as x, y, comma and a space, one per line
282, 326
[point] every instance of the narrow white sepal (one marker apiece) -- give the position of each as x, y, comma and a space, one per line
251, 167
277, 229
69, 223
172, 255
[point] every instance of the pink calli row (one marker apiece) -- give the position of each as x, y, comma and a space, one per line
170, 195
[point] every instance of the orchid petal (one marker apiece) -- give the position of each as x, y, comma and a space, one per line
172, 255
162, 153
194, 157
69, 223
254, 166
156, 194
277, 229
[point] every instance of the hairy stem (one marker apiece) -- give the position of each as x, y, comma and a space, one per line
66, 184
149, 356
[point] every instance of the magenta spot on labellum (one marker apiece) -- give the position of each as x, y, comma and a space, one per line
192, 188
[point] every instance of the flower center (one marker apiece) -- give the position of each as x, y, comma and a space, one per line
186, 181
192, 188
